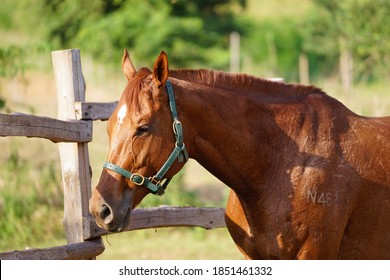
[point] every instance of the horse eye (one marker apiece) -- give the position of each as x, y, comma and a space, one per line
143, 129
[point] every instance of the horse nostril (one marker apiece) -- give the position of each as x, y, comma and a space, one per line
105, 214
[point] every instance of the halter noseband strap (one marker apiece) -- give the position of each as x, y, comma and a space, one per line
157, 184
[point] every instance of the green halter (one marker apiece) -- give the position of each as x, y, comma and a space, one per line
157, 183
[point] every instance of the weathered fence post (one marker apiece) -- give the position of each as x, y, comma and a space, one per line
303, 69
76, 174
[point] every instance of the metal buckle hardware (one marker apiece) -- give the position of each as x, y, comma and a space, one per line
134, 181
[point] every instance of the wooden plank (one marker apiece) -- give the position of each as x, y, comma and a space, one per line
18, 124
76, 174
76, 251
164, 216
304, 73
95, 110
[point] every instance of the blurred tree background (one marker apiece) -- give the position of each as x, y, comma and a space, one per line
195, 33
320, 39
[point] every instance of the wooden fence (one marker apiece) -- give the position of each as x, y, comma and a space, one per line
72, 131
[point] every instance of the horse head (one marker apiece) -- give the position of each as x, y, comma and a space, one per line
142, 146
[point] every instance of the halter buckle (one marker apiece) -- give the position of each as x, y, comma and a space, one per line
155, 181
160, 184
134, 176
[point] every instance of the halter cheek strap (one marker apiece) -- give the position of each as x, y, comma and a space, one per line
157, 183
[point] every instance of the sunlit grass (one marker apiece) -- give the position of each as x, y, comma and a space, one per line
171, 243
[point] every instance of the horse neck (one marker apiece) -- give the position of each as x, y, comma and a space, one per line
222, 129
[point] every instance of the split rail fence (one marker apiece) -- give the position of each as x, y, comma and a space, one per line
72, 132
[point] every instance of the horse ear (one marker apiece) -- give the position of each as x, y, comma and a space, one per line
160, 69
127, 66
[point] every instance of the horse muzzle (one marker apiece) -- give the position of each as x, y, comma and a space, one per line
111, 217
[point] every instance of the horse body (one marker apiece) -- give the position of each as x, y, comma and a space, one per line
310, 179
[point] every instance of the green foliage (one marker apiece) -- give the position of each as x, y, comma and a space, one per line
196, 32
361, 26
275, 46
31, 202
6, 16
12, 60
11, 63
319, 42
367, 30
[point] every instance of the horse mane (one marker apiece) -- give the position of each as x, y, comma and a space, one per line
238, 82
243, 82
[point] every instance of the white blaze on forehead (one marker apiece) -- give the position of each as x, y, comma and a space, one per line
122, 113
120, 117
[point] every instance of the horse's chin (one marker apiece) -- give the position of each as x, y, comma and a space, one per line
125, 222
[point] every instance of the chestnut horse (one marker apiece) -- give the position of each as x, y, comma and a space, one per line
309, 178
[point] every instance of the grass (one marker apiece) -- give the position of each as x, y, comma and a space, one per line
171, 243
31, 199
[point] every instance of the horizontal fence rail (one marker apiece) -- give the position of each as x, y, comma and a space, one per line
94, 110
76, 251
164, 216
18, 124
